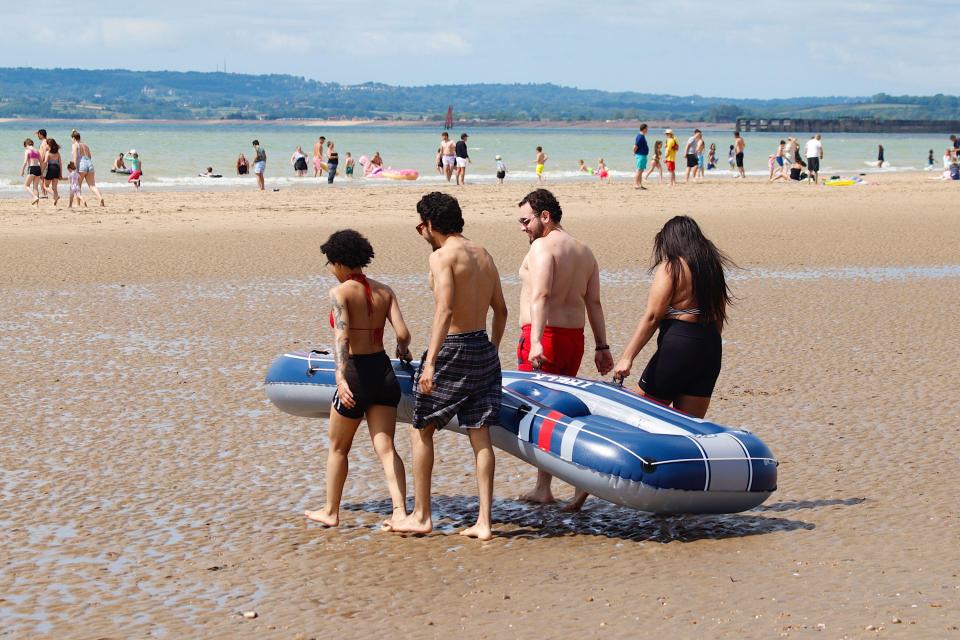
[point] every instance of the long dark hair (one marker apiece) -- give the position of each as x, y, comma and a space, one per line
681, 238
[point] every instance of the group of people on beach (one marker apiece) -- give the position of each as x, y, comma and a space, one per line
326, 159
43, 169
459, 373
698, 158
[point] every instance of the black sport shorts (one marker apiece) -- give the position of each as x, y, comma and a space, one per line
687, 361
371, 381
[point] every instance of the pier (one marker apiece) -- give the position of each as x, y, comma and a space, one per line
846, 125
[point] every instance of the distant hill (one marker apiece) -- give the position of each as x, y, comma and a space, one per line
120, 93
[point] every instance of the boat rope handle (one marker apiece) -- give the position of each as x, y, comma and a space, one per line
310, 368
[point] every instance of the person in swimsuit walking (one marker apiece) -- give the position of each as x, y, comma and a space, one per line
448, 154
52, 165
459, 374
366, 384
32, 170
318, 164
657, 155
559, 293
83, 158
688, 305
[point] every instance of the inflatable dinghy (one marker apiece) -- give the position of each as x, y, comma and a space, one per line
594, 435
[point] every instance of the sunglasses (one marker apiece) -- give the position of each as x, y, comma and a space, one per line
420, 228
525, 221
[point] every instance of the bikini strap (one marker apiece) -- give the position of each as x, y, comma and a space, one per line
368, 292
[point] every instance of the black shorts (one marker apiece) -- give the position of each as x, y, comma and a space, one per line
692, 160
372, 382
813, 164
501, 175
466, 384
34, 170
740, 160
242, 170
687, 361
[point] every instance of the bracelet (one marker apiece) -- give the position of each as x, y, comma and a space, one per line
602, 347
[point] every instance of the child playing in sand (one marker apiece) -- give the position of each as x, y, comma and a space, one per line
541, 162
75, 186
501, 170
602, 172
348, 161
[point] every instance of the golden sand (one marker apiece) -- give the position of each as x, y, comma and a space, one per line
149, 487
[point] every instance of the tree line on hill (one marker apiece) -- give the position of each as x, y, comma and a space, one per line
120, 93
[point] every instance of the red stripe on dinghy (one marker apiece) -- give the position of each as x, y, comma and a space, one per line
546, 429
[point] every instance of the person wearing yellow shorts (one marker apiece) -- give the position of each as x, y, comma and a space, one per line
541, 161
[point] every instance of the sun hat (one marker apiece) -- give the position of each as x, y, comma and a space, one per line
668, 131
498, 157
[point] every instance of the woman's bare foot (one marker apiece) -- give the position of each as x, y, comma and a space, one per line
323, 517
101, 203
540, 496
36, 200
478, 531
410, 524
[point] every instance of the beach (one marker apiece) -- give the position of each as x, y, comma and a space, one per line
151, 490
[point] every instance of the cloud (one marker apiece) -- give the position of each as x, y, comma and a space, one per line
277, 42
131, 32
414, 43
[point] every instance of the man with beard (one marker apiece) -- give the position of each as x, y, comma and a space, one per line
459, 373
559, 285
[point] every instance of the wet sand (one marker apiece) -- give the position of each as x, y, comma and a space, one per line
149, 489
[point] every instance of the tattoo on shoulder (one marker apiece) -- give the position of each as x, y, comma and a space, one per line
338, 322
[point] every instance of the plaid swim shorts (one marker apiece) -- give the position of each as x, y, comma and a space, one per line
466, 384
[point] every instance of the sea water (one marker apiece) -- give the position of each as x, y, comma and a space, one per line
173, 154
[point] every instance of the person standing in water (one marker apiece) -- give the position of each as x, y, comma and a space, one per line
739, 144
687, 304
463, 157
459, 373
879, 156
366, 384
318, 164
259, 163
559, 293
448, 155
333, 160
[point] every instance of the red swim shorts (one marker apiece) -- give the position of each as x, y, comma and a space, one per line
562, 350
671, 166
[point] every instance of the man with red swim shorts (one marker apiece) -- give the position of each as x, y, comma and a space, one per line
559, 292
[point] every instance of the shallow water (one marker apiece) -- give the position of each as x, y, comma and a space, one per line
174, 153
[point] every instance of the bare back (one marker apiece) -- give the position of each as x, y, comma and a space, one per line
365, 329
564, 266
475, 282
682, 296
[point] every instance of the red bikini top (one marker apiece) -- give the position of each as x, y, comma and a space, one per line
368, 292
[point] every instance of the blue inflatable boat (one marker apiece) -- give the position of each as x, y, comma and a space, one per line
596, 436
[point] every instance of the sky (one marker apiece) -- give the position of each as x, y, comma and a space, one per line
682, 47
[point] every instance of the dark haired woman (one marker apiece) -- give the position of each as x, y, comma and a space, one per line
52, 169
366, 384
688, 304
